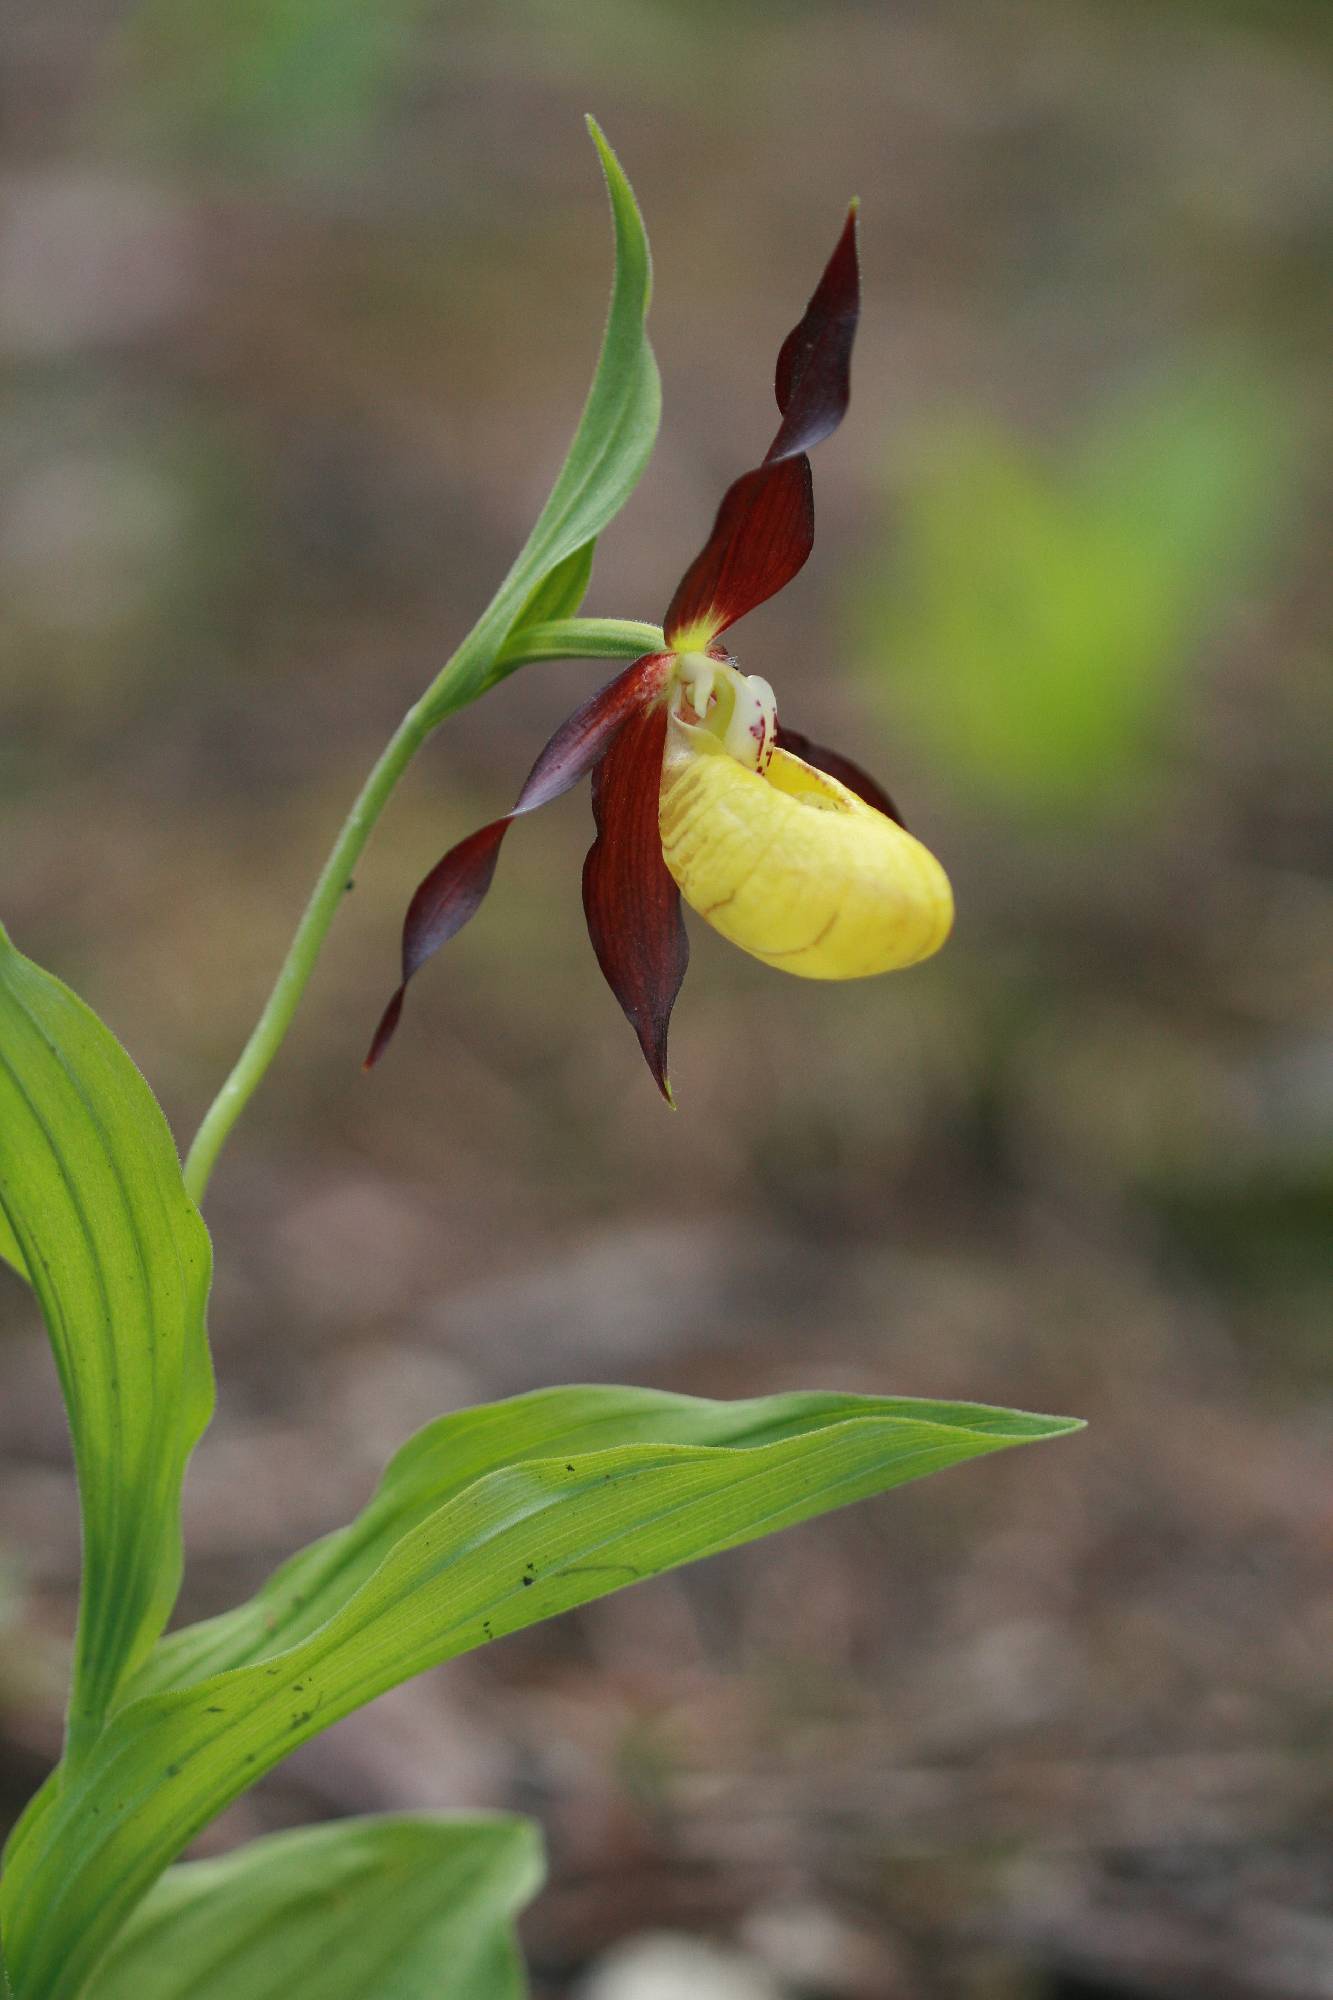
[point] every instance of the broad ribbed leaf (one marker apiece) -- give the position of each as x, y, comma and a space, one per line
90, 1187
412, 1907
9, 1248
611, 447
489, 1521
452, 1454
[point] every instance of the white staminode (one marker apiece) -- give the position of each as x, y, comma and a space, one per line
736, 712
750, 733
695, 675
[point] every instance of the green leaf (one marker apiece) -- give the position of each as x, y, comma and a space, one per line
611, 447
91, 1192
402, 1908
499, 1972
560, 594
487, 1522
9, 1247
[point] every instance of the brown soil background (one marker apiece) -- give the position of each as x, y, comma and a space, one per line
291, 346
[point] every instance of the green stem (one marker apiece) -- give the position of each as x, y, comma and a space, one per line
466, 675
326, 897
577, 639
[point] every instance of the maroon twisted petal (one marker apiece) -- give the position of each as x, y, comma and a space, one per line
456, 886
765, 527
629, 899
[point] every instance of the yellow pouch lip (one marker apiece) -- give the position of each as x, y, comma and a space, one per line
794, 868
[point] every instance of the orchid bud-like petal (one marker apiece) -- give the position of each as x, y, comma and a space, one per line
630, 901
456, 886
796, 869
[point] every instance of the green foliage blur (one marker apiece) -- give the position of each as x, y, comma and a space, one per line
1040, 612
264, 82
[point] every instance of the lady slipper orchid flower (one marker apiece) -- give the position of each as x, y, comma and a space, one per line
786, 848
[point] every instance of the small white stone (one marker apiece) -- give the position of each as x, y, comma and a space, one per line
664, 1965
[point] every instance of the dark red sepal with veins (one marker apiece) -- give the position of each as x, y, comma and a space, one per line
765, 527
839, 767
456, 886
631, 903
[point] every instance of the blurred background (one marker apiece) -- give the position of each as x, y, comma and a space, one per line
298, 304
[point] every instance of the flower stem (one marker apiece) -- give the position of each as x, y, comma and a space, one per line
326, 897
475, 667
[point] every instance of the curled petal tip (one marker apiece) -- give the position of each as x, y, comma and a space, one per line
384, 1033
813, 381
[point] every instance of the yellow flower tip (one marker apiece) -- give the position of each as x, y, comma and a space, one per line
794, 868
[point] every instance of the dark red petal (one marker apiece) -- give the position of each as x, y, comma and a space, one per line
452, 893
839, 767
813, 381
456, 886
581, 740
631, 903
765, 529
